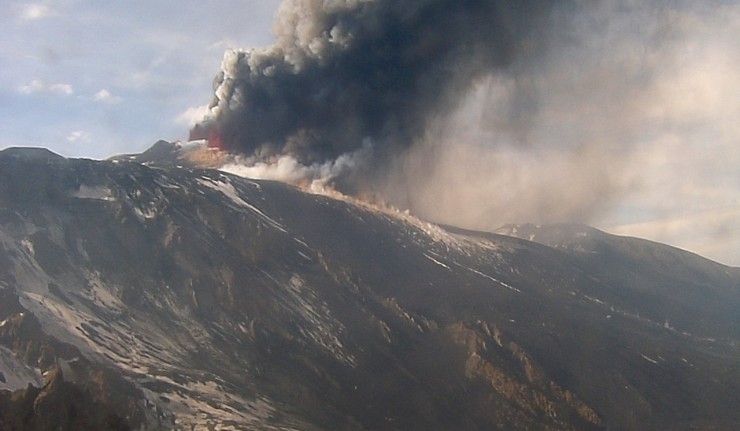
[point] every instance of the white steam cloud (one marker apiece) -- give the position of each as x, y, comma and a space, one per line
317, 177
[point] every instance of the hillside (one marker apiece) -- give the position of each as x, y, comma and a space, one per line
183, 297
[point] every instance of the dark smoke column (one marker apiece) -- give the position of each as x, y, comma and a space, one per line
347, 71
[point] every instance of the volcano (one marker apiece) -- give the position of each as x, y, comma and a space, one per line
147, 295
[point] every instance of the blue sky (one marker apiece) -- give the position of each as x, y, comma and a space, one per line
95, 78
98, 78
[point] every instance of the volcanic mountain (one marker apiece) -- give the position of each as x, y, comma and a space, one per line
143, 293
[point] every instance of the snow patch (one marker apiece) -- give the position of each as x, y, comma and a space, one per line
475, 271
649, 359
100, 193
436, 261
145, 213
596, 300
321, 328
228, 190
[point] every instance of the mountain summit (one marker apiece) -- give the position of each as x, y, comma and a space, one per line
146, 295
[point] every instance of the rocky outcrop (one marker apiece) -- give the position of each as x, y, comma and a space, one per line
514, 375
57, 406
77, 394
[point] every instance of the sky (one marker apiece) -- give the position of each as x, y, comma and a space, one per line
97, 78
634, 129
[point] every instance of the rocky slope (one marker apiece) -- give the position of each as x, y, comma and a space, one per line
181, 297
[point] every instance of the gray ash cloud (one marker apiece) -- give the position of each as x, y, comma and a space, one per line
345, 73
477, 113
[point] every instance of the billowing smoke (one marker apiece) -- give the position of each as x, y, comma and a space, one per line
317, 177
346, 73
484, 112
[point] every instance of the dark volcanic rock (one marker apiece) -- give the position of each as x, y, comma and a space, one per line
90, 396
191, 298
58, 405
161, 153
31, 154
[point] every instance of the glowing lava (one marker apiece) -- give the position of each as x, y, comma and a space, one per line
211, 134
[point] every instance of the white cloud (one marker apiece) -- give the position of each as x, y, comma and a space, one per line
78, 136
192, 115
33, 87
140, 53
105, 96
61, 89
223, 45
35, 11
37, 86
148, 76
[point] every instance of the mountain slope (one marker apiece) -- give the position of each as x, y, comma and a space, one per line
202, 299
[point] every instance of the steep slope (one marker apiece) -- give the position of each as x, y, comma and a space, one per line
664, 284
212, 300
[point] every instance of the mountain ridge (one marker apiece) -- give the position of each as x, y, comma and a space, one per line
226, 302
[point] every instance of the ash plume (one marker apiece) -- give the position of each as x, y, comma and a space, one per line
478, 113
343, 74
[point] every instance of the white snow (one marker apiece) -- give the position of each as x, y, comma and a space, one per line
100, 193
145, 213
649, 359
596, 300
320, 327
28, 245
228, 190
475, 271
508, 286
166, 183
436, 261
303, 255
684, 360
392, 304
